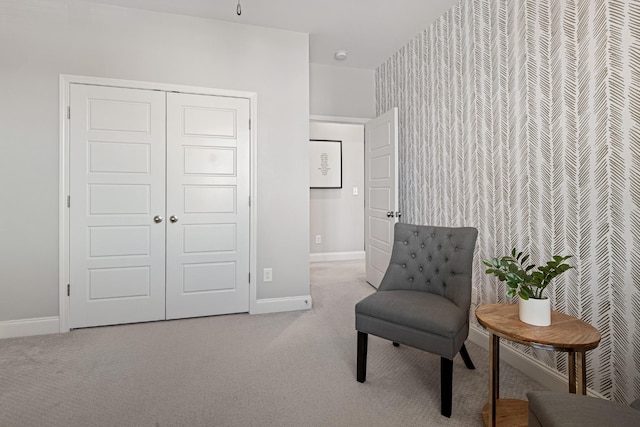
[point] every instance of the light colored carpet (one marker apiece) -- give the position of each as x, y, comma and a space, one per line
285, 369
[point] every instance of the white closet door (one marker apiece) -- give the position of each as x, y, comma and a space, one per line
117, 186
207, 205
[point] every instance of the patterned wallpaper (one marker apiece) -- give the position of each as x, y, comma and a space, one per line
522, 118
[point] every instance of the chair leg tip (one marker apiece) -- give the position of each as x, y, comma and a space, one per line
466, 358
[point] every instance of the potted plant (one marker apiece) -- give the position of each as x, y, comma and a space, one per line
528, 281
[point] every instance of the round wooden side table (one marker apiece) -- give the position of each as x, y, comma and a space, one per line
566, 333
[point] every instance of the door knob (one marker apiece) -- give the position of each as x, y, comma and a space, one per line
157, 219
173, 218
389, 214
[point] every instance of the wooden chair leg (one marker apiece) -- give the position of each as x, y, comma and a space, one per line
467, 359
362, 357
446, 386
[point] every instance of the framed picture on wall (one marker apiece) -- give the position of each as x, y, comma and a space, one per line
325, 163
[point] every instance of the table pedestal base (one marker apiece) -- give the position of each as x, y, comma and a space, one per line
509, 412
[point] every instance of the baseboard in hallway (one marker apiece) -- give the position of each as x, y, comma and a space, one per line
336, 256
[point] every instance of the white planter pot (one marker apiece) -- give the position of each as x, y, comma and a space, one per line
535, 312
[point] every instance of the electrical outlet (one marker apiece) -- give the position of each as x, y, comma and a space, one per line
267, 275
318, 239
355, 191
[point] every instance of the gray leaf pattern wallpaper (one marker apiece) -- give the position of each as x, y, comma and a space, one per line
522, 118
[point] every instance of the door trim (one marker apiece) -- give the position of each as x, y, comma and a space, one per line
64, 226
339, 119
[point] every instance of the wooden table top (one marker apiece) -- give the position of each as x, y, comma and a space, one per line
566, 333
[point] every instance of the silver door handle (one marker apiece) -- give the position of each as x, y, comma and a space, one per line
173, 218
157, 219
389, 214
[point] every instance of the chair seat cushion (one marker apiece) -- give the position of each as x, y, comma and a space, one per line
423, 311
556, 409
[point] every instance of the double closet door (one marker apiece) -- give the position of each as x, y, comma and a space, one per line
159, 205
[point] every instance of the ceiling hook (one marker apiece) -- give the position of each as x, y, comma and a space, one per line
239, 9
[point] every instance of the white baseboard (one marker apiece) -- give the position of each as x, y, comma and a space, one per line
277, 305
532, 368
336, 256
27, 327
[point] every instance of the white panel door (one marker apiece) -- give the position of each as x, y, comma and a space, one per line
117, 187
381, 190
207, 205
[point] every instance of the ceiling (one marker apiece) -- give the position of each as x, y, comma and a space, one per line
369, 30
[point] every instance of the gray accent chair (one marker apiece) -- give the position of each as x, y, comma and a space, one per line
558, 409
424, 298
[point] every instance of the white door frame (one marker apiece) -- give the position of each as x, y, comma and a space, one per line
65, 83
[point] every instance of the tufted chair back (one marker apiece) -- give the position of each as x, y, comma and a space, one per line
432, 259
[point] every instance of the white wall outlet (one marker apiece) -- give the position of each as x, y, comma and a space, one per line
318, 238
267, 275
355, 191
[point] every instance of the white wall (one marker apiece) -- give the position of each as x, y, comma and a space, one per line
336, 214
41, 39
342, 91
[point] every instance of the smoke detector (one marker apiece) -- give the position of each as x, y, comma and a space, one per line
340, 55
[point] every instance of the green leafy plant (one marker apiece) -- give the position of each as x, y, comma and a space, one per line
522, 278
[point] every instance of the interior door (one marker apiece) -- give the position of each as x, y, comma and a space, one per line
208, 205
381, 190
117, 187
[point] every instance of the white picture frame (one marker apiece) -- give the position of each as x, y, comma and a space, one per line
325, 163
